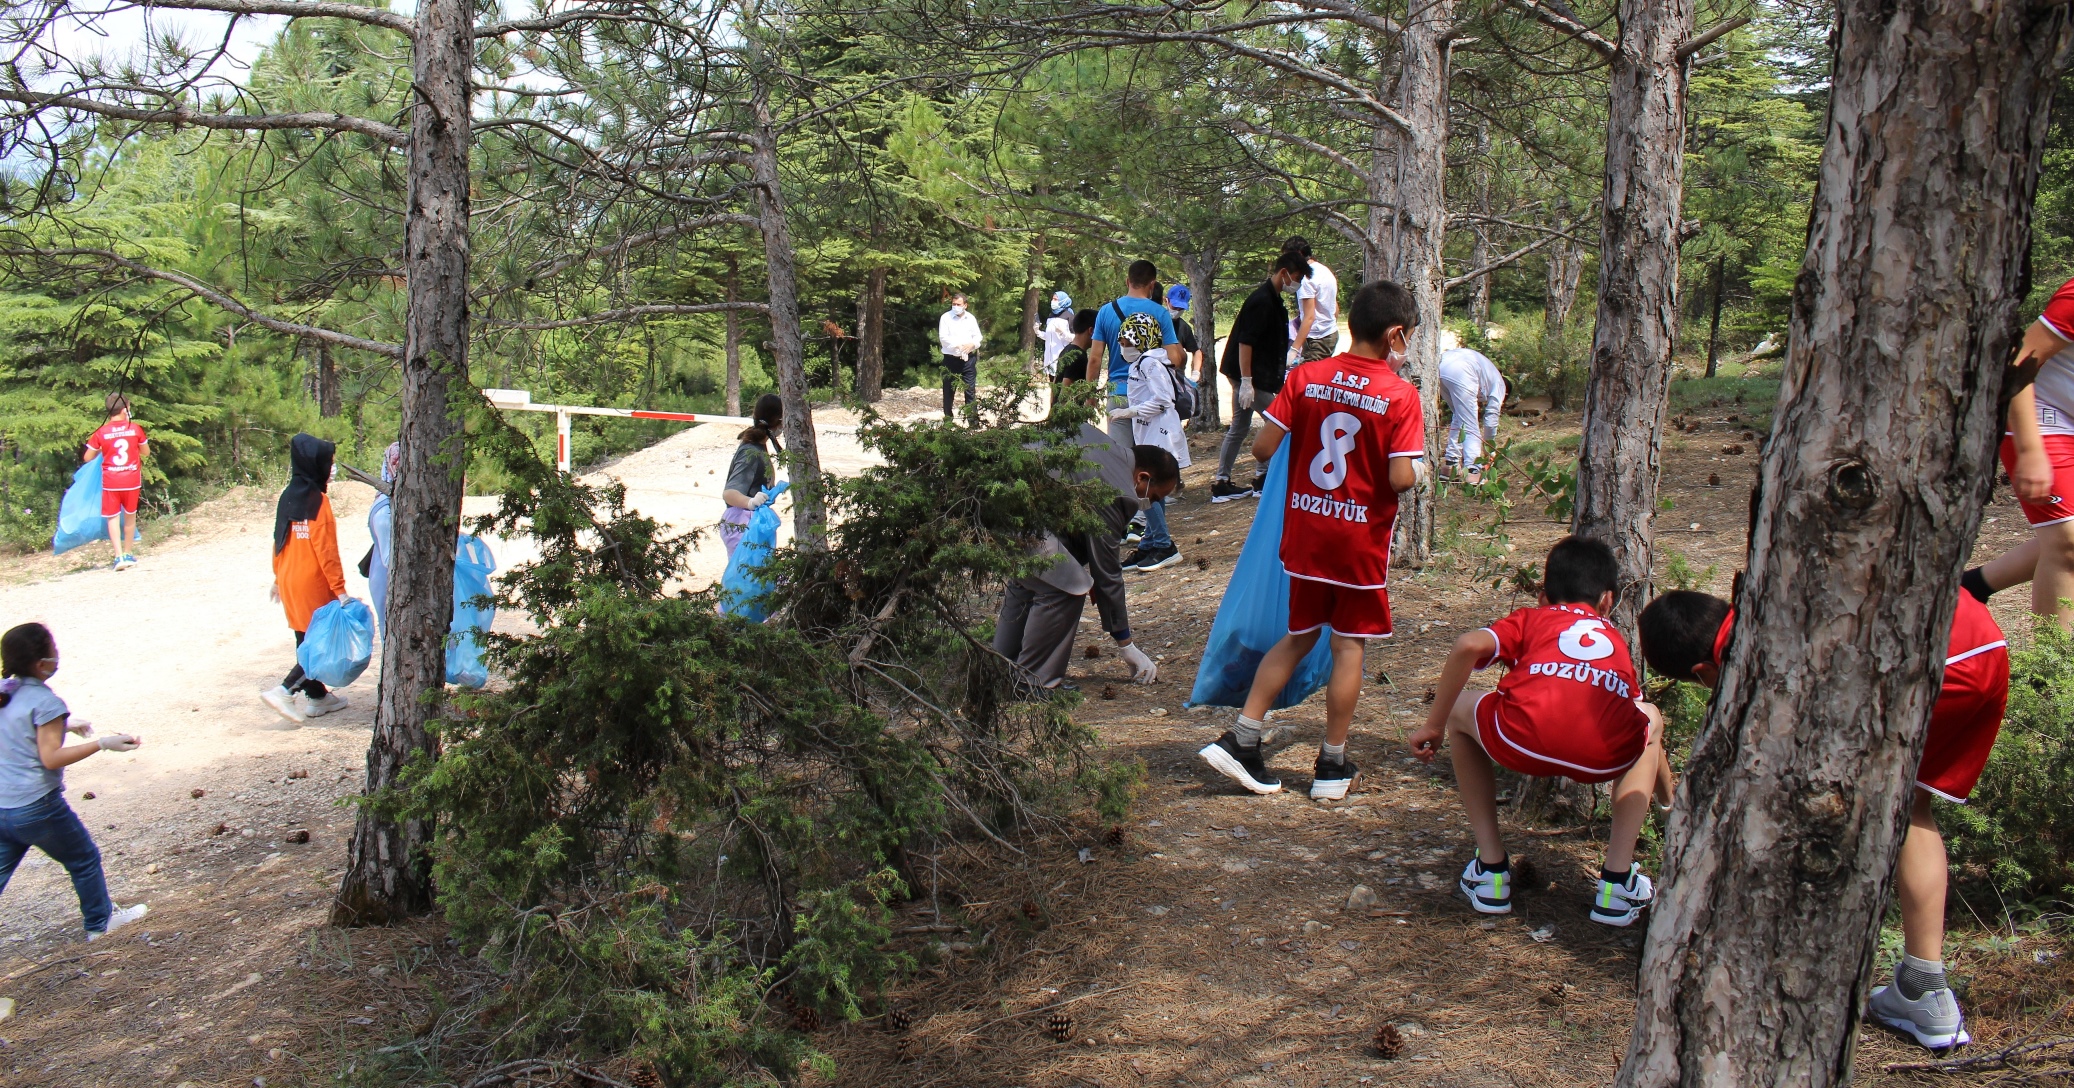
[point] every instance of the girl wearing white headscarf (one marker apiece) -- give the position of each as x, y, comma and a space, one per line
1057, 331
381, 525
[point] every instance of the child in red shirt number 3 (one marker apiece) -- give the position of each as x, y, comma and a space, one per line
1566, 708
1357, 437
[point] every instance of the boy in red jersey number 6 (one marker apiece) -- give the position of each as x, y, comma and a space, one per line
1357, 437
1685, 636
1567, 707
120, 445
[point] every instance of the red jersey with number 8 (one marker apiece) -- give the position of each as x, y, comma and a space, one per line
1347, 417
1569, 697
121, 443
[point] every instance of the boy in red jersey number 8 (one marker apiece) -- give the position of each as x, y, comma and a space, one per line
1567, 707
1357, 437
120, 445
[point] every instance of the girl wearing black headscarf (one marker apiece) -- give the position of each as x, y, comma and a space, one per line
307, 573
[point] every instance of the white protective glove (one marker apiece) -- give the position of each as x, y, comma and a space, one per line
1143, 671
79, 727
1418, 471
118, 742
760, 501
1245, 398
1121, 413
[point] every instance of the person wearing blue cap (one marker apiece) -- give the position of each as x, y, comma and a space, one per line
1178, 298
1056, 331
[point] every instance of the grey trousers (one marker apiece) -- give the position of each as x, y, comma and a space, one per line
1036, 629
1235, 435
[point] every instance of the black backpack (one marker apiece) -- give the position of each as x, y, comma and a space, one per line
1184, 390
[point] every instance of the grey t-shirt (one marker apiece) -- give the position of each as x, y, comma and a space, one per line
23, 778
750, 471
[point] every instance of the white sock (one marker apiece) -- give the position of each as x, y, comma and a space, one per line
1918, 977
1246, 731
1333, 753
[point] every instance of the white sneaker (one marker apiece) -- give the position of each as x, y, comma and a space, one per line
1488, 892
1932, 1020
317, 708
284, 704
1620, 904
120, 919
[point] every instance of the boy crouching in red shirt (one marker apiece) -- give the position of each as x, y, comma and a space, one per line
1685, 635
1567, 707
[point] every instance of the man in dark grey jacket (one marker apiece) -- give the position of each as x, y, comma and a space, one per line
1041, 614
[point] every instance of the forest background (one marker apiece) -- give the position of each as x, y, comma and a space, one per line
906, 176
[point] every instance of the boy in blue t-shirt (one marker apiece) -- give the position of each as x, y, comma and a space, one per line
1106, 351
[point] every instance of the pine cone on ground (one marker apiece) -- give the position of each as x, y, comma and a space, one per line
1061, 1026
1031, 911
1108, 691
1091, 652
1202, 564
899, 1020
1389, 1042
646, 1077
903, 1050
1114, 836
807, 1019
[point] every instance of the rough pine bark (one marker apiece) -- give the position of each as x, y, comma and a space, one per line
871, 338
331, 399
803, 456
388, 875
1630, 377
1419, 234
1201, 270
732, 344
1714, 324
1480, 242
1033, 303
1905, 314
1565, 268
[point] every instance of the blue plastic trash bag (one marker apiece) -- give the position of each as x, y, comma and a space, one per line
742, 585
1254, 614
339, 644
473, 565
79, 515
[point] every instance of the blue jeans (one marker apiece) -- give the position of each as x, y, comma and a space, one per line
1156, 535
50, 826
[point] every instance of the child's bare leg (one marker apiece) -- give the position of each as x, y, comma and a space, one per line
1666, 786
1475, 782
2053, 580
1342, 691
1631, 796
1274, 673
2013, 567
1919, 883
115, 534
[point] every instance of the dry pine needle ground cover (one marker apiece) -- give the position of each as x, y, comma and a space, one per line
1210, 940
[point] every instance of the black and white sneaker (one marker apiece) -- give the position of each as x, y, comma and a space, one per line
1136, 557
1488, 892
1242, 765
1620, 904
1155, 558
1333, 781
1225, 491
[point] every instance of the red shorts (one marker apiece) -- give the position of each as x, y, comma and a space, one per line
1964, 723
119, 502
1563, 751
2058, 506
1355, 613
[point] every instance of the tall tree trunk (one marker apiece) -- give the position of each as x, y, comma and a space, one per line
331, 399
1630, 379
1565, 268
1480, 242
871, 337
809, 512
733, 343
1379, 249
1033, 302
1714, 325
1783, 841
388, 875
1201, 270
1419, 234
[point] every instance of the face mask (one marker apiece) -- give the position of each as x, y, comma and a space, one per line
1144, 502
958, 310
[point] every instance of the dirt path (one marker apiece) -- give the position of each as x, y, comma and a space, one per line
1211, 943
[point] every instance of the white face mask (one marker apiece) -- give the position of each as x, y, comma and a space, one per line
1144, 501
958, 310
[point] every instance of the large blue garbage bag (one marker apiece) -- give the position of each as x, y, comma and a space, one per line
79, 514
339, 644
473, 565
742, 585
1254, 614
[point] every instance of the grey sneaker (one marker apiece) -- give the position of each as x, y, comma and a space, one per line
1933, 1020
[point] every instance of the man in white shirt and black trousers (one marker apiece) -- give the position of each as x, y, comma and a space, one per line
957, 333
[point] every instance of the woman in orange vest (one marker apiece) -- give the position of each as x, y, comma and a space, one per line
307, 573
